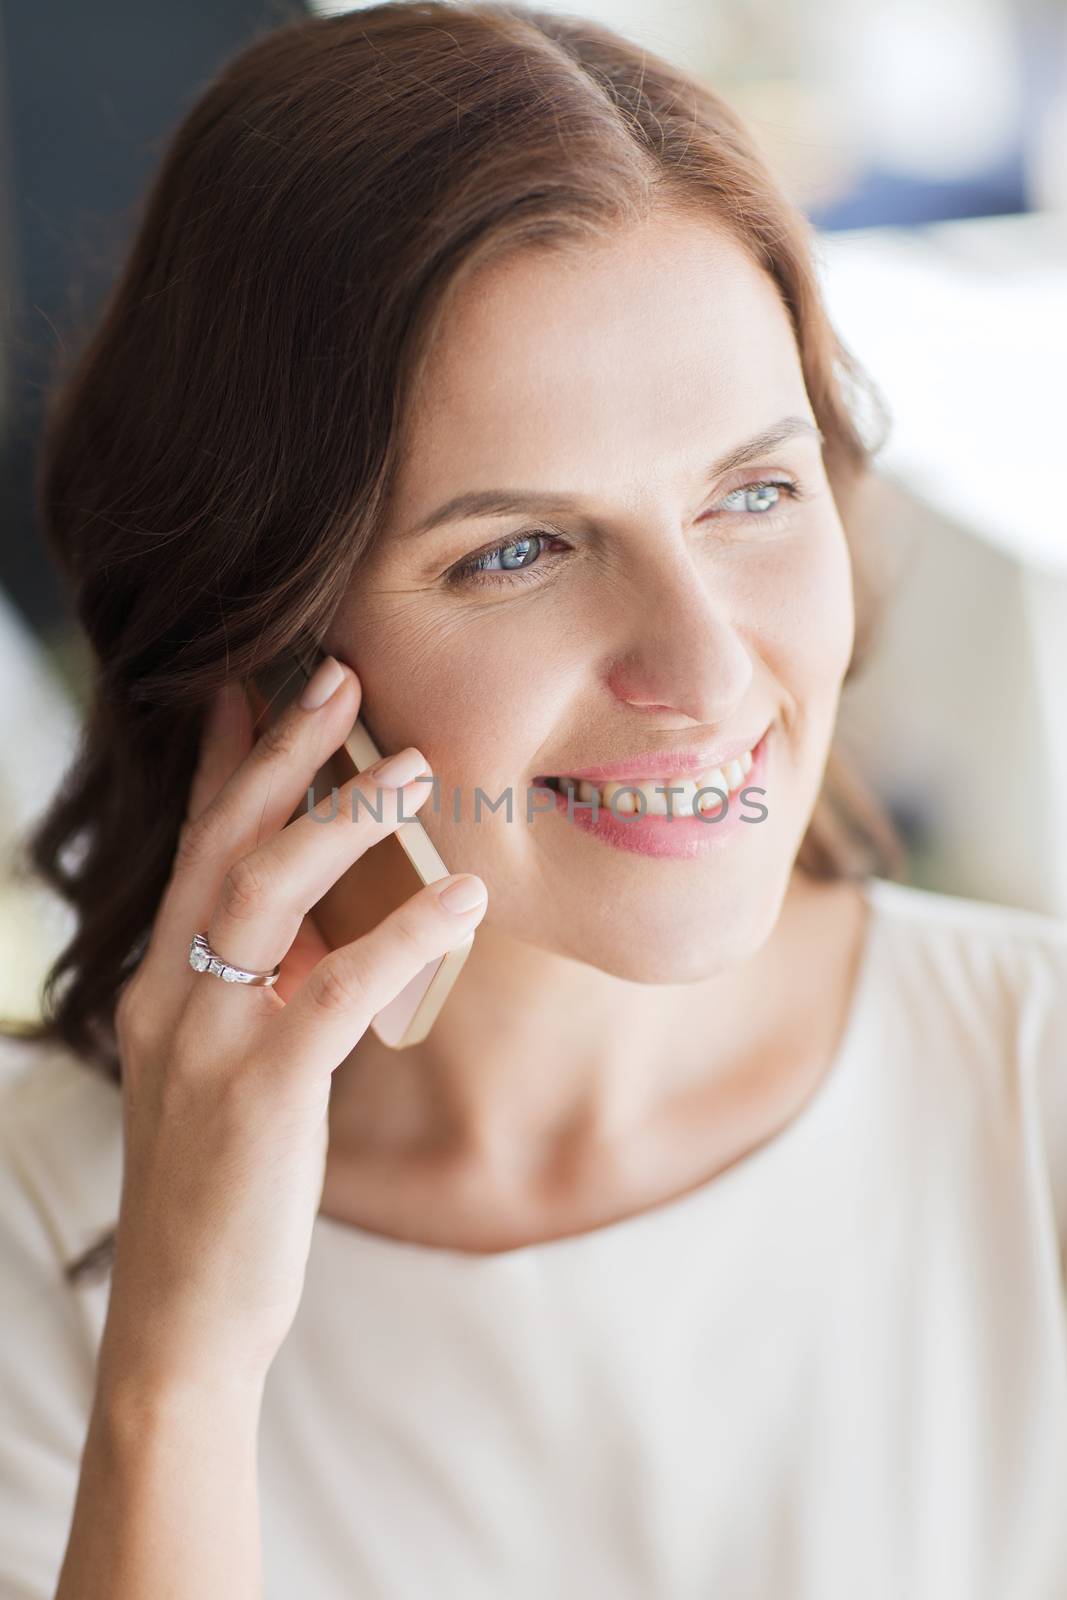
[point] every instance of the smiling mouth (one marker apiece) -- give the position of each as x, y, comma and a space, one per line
705, 789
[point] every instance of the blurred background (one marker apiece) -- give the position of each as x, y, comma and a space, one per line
928, 146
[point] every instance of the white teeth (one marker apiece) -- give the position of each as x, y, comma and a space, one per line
678, 802
625, 804
712, 798
656, 797
715, 780
682, 804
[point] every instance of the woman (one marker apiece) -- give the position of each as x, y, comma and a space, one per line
711, 1242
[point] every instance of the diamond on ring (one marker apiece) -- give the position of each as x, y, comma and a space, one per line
203, 959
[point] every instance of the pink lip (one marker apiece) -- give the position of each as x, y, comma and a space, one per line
678, 836
664, 763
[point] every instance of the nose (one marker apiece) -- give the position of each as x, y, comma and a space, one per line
682, 652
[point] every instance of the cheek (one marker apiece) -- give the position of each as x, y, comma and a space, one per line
801, 609
474, 696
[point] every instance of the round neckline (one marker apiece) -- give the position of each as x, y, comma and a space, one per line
805, 1125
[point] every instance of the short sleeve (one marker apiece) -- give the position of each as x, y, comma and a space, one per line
48, 1334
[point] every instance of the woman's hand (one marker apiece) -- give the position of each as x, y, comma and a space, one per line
226, 1086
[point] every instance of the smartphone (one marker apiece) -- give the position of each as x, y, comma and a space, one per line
384, 876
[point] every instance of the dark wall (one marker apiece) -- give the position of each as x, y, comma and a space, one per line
89, 91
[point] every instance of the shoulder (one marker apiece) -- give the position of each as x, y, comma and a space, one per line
978, 993
974, 950
908, 906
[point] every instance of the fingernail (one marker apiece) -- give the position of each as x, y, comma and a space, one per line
464, 894
395, 771
324, 681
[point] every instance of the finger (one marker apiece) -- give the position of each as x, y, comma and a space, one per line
306, 950
333, 1008
254, 802
266, 894
225, 740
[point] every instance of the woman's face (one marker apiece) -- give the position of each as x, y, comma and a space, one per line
647, 602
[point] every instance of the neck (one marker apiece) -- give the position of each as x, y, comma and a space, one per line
534, 1054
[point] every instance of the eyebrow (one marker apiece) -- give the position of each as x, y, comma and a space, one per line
505, 502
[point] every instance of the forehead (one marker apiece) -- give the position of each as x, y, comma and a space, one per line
667, 338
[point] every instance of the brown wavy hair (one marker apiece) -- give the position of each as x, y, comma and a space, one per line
217, 459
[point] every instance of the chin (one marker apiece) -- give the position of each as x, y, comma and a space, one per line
693, 948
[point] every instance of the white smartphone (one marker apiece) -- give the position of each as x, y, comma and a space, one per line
386, 875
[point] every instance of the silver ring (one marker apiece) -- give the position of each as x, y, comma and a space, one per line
203, 959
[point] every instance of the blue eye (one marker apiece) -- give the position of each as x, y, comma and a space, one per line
522, 559
754, 497
491, 566
515, 554
512, 556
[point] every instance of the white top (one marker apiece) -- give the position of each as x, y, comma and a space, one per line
839, 1368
